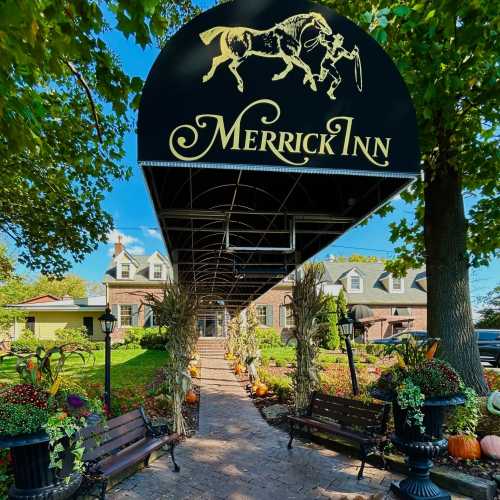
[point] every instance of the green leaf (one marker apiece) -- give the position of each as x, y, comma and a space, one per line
401, 10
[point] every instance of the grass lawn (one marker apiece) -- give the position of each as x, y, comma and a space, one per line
285, 355
130, 367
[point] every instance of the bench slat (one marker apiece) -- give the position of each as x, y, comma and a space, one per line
111, 424
376, 407
344, 411
114, 444
345, 420
96, 441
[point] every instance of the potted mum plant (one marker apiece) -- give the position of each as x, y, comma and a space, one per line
421, 389
40, 420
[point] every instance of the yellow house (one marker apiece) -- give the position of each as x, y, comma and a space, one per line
45, 314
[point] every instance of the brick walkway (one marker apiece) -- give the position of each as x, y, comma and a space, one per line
237, 455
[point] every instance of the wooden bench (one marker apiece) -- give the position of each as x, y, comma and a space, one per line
364, 424
120, 443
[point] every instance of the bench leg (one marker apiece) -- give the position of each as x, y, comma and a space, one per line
176, 467
363, 461
292, 435
104, 487
146, 461
382, 455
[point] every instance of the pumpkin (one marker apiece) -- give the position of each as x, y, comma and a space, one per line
191, 397
490, 445
431, 351
463, 446
261, 390
193, 371
238, 368
254, 387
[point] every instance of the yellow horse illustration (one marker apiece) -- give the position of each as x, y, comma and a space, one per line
283, 41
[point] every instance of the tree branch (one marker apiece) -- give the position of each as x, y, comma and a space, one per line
85, 85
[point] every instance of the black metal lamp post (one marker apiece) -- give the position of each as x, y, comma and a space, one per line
108, 322
346, 327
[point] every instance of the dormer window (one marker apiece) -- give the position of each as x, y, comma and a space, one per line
125, 271
397, 285
355, 283
157, 271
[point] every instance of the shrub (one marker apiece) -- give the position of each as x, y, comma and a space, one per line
73, 335
145, 338
370, 358
27, 342
281, 385
375, 349
267, 337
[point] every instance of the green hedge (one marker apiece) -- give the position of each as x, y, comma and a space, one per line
144, 338
28, 342
268, 337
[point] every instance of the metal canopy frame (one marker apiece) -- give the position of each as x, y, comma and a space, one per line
233, 234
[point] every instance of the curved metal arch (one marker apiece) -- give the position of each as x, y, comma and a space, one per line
232, 185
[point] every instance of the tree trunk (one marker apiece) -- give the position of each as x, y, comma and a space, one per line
449, 314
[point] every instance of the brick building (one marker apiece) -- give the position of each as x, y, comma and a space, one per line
128, 280
393, 304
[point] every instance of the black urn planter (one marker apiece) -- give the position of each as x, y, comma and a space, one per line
33, 479
420, 447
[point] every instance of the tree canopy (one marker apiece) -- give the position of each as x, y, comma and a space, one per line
490, 312
64, 110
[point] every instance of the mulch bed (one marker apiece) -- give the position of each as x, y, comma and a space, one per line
486, 469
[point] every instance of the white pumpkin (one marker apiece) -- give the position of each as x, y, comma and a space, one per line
490, 445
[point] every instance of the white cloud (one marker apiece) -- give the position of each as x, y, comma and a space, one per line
152, 233
125, 238
137, 250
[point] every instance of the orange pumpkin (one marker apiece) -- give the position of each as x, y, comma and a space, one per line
238, 368
191, 397
431, 351
255, 386
490, 445
466, 447
261, 390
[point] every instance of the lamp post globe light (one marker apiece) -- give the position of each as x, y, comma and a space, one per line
346, 328
108, 322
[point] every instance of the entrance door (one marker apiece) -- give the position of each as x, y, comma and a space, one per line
210, 328
88, 323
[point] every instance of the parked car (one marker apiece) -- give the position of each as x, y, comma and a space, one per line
418, 335
489, 345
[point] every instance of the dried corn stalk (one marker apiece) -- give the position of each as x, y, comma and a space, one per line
176, 310
308, 303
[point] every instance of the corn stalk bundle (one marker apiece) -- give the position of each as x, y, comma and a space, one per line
308, 304
176, 310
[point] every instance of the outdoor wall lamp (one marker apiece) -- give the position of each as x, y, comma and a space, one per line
108, 322
346, 329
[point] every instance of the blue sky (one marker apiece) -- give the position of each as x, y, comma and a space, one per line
135, 219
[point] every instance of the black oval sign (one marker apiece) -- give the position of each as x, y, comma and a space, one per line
275, 85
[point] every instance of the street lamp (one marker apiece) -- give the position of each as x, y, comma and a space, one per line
108, 322
346, 327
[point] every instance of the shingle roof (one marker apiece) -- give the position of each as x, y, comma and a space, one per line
140, 276
374, 292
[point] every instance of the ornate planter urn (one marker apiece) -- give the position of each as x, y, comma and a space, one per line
33, 479
420, 447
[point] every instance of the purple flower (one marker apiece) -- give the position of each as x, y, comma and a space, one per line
75, 401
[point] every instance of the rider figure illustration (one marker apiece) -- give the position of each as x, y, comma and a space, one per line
334, 52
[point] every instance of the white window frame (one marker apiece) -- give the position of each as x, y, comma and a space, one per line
264, 306
155, 266
129, 270
350, 288
396, 290
121, 315
289, 319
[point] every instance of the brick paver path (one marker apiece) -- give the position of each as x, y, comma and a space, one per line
237, 455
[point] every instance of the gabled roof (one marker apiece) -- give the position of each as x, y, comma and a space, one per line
159, 256
374, 293
39, 299
131, 257
349, 271
83, 304
141, 275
